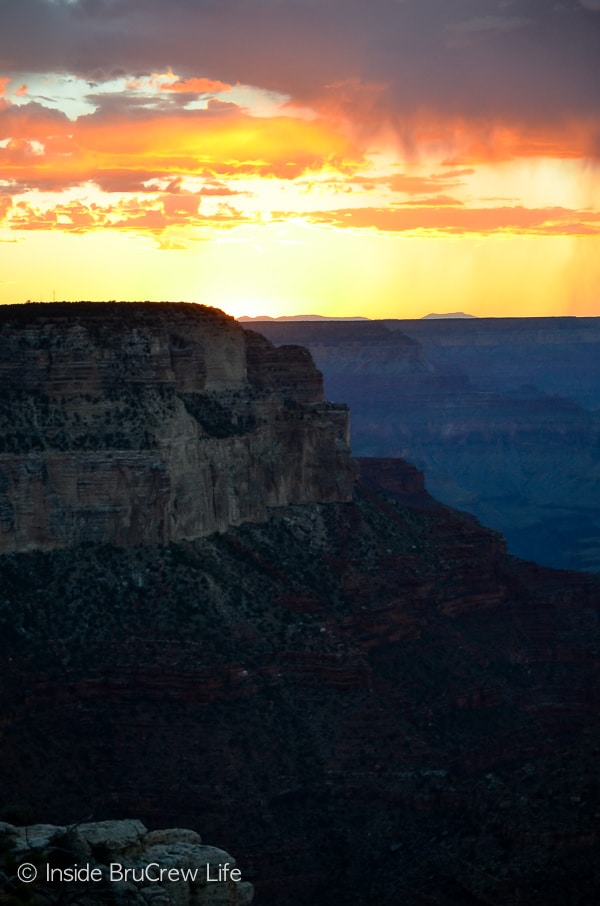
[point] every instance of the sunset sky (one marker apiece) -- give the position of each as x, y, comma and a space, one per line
386, 158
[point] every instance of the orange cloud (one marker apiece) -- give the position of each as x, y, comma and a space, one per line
462, 220
127, 147
481, 142
423, 185
469, 141
195, 86
5, 206
189, 143
152, 153
148, 215
373, 114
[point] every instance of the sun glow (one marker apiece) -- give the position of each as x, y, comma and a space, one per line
187, 184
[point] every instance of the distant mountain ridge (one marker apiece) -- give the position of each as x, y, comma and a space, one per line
282, 318
450, 314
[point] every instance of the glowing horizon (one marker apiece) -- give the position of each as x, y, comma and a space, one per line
279, 177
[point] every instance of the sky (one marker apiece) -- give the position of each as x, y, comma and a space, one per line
384, 158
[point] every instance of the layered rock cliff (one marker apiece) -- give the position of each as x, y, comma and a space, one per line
140, 424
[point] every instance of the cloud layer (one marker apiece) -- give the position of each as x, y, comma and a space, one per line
155, 117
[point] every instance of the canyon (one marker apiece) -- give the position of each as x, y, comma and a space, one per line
357, 691
500, 413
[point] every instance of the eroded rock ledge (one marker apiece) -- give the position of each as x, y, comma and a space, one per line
140, 423
117, 862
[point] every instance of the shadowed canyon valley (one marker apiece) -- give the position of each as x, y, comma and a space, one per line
213, 617
500, 413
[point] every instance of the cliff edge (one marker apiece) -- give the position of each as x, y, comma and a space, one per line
141, 423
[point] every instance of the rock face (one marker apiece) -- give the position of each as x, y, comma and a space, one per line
396, 477
118, 862
140, 424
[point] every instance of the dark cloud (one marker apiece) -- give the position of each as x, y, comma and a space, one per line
477, 57
31, 121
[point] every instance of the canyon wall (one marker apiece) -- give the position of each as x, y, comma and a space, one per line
138, 424
500, 413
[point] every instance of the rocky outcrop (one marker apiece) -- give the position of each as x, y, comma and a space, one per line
287, 369
118, 862
140, 424
396, 476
